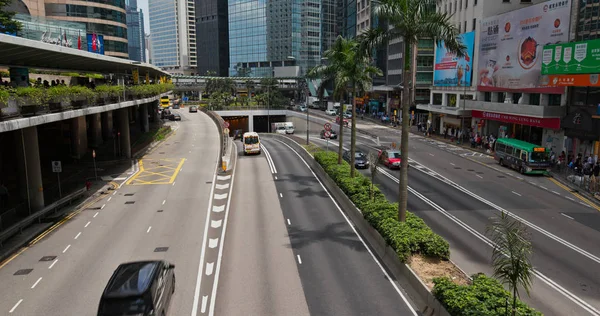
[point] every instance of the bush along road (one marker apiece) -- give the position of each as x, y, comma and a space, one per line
482, 296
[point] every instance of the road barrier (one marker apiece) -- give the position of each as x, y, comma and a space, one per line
402, 273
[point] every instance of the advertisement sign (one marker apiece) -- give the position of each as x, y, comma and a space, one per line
571, 58
585, 80
450, 71
552, 122
95, 43
510, 45
136, 76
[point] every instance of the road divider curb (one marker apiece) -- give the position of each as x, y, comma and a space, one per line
403, 274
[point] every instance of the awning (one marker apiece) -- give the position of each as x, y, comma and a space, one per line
22, 52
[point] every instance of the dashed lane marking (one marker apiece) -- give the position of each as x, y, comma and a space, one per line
213, 242
15, 307
218, 208
516, 193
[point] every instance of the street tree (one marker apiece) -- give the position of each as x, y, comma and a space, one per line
411, 21
374, 161
7, 23
511, 255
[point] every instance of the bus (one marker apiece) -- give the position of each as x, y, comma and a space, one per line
525, 157
164, 102
251, 143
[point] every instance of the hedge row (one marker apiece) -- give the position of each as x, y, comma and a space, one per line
484, 297
406, 238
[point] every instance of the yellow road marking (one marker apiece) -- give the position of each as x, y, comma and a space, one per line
577, 195
177, 171
150, 173
160, 177
141, 164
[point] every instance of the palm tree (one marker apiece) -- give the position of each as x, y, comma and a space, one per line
410, 20
350, 72
249, 86
510, 257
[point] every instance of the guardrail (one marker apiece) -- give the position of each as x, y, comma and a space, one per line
17, 228
220, 125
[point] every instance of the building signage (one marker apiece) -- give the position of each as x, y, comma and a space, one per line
510, 46
571, 58
451, 71
95, 43
552, 122
587, 80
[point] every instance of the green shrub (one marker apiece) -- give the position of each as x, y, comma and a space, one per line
81, 92
410, 237
4, 95
31, 95
58, 94
485, 296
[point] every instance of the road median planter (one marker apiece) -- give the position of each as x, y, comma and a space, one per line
417, 258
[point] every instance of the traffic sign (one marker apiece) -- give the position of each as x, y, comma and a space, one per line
226, 131
327, 127
327, 134
93, 153
226, 124
56, 166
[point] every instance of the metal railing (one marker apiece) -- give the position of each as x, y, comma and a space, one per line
576, 178
37, 216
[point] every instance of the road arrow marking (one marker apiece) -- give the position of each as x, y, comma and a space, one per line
212, 243
218, 209
216, 224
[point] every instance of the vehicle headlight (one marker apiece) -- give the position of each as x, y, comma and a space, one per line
528, 169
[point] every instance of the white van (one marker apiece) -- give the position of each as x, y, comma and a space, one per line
251, 143
283, 127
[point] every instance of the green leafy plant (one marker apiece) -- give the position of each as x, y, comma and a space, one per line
81, 93
58, 94
4, 95
31, 96
485, 296
406, 238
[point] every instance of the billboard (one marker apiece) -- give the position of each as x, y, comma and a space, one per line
571, 58
510, 46
95, 43
450, 71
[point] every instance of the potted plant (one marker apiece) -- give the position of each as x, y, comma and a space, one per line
58, 98
31, 100
81, 96
102, 93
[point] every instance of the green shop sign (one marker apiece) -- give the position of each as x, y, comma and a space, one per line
571, 58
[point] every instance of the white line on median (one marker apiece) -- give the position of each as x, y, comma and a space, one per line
452, 164
209, 268
430, 154
479, 176
109, 199
280, 195
567, 216
114, 192
36, 283
164, 201
275, 177
289, 223
543, 187
173, 183
16, 305
67, 248
516, 193
204, 301
299, 259
555, 192
78, 235
570, 198
103, 205
96, 214
149, 228
53, 263
88, 224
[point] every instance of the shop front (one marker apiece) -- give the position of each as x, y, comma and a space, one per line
582, 131
530, 129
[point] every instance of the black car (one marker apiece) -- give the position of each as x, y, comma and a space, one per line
332, 135
360, 159
175, 117
193, 109
165, 114
141, 288
237, 134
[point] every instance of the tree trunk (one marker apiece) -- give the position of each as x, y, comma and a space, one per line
340, 132
403, 183
514, 304
353, 136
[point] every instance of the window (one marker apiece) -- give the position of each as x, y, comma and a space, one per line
459, 25
465, 26
466, 4
500, 147
460, 5
474, 24
474, 2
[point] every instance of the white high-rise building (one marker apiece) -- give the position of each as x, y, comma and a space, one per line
172, 26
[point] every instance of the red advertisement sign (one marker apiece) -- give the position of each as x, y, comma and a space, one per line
549, 122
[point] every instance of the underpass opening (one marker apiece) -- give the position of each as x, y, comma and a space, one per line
262, 122
237, 122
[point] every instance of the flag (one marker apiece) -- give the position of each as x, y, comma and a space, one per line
79, 41
66, 40
94, 43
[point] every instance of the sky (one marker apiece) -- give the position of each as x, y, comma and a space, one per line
143, 4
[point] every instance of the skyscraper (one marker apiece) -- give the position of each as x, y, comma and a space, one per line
173, 30
135, 32
212, 37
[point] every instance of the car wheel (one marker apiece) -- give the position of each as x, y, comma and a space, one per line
522, 170
501, 162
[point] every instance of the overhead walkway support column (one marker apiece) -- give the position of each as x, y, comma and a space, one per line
124, 138
79, 136
96, 128
107, 125
144, 118
30, 170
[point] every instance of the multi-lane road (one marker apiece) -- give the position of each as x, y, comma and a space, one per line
457, 191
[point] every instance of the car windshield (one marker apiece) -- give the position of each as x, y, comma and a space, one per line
394, 154
359, 155
281, 128
539, 157
128, 306
251, 140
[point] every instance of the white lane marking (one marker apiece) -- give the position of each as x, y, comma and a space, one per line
222, 186
543, 187
190, 151
36, 283
134, 167
432, 155
299, 259
280, 195
519, 178
216, 224
220, 255
53, 263
149, 228
221, 196
16, 305
289, 223
103, 205
452, 164
203, 249
114, 192
555, 192
109, 199
218, 208
572, 297
567, 216
275, 177
88, 224
174, 182
209, 268
66, 248
180, 170
96, 214
479, 176
570, 198
404, 299
204, 301
213, 243
269, 159
78, 235
584, 204
223, 178
516, 193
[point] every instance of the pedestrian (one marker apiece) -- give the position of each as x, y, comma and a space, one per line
3, 195
88, 185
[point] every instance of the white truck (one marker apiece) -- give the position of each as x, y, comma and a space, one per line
283, 127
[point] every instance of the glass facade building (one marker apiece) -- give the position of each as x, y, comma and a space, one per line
135, 32
51, 31
212, 37
163, 28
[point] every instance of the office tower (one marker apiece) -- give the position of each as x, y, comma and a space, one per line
212, 37
135, 32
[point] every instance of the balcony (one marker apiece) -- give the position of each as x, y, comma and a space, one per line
451, 110
425, 68
517, 109
425, 51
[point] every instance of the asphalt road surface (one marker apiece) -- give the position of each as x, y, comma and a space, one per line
170, 197
457, 196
